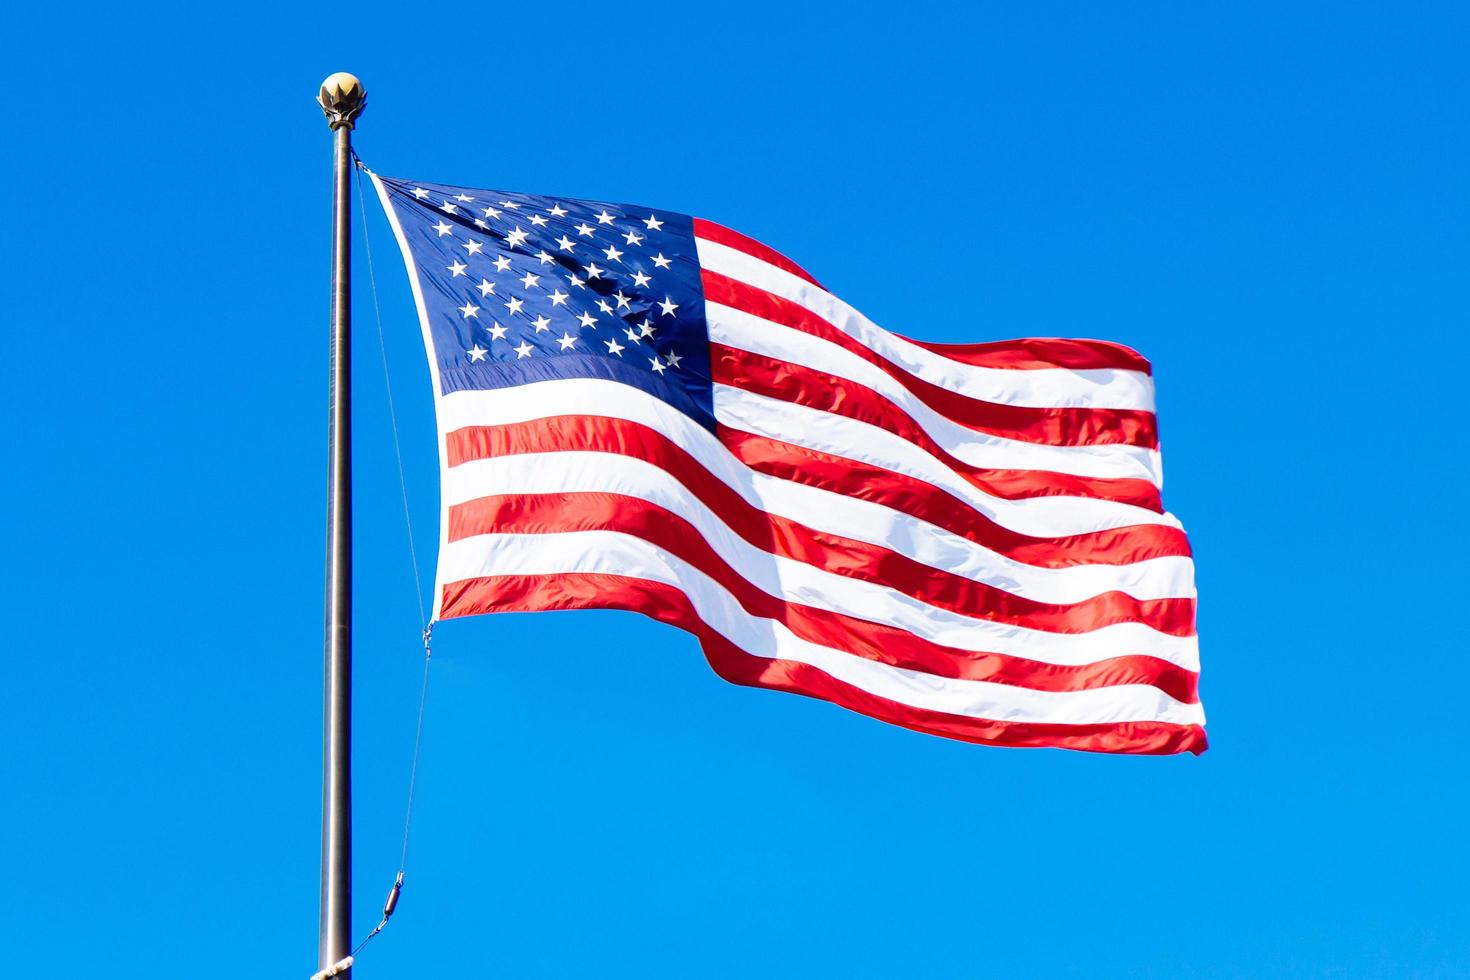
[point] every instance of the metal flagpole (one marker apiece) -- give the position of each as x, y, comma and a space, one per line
342, 98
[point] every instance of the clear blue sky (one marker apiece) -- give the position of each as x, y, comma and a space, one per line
1268, 200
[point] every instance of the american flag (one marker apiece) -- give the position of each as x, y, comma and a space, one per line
645, 411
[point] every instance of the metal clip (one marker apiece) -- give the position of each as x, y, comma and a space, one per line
393, 893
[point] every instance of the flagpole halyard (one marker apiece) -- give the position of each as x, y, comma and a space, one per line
342, 100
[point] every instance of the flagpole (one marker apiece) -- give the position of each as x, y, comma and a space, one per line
342, 99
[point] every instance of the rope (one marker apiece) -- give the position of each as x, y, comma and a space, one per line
418, 737
418, 583
391, 903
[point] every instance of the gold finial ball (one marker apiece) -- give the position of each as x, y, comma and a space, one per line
342, 99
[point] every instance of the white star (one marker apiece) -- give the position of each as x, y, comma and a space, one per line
593, 272
477, 353
524, 350
576, 282
603, 218
662, 262
613, 347
657, 365
487, 288
652, 223
640, 280
516, 237
631, 334
604, 306
458, 268
567, 341
558, 298
623, 303
584, 229
543, 324
632, 238
515, 305
443, 228
510, 204
530, 279
501, 263
588, 320
469, 309
645, 329
464, 198
480, 223
556, 211
672, 359
490, 212
448, 208
613, 255
537, 220
420, 193
668, 306
545, 257
473, 247
565, 244
497, 332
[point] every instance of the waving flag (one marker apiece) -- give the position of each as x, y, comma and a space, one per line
646, 411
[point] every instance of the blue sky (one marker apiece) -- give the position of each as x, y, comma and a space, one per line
1268, 200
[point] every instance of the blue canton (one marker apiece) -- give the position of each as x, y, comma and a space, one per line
519, 288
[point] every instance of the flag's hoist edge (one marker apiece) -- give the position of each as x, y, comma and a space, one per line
625, 573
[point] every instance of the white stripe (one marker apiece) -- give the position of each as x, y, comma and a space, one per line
1042, 517
807, 585
794, 581
583, 471
839, 436
1038, 388
736, 328
611, 553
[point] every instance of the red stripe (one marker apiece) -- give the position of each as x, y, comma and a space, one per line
1050, 426
721, 235
853, 478
904, 494
839, 396
558, 513
1035, 353
603, 511
667, 604
1028, 353
831, 552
